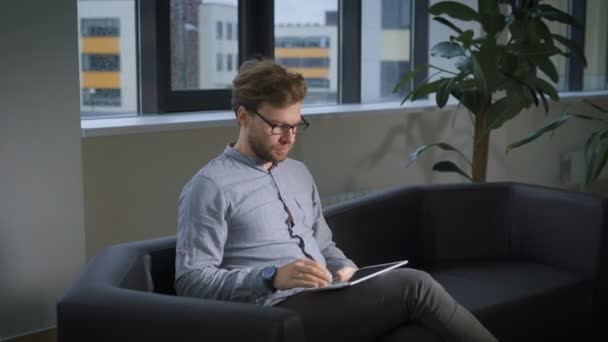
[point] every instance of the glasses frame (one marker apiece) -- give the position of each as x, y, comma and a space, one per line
284, 128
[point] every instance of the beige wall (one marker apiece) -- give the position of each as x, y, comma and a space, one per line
132, 182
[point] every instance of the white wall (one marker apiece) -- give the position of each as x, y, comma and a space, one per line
41, 207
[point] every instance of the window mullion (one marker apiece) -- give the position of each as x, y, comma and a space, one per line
349, 51
420, 38
575, 67
256, 29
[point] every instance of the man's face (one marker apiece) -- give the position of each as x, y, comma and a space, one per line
267, 146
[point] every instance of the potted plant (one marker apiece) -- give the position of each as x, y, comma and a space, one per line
497, 72
596, 146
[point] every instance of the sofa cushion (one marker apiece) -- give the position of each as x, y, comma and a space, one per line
529, 296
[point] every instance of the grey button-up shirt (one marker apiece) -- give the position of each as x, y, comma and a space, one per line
235, 218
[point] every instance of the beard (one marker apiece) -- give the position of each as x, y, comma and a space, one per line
266, 153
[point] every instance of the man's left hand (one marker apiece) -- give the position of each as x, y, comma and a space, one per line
345, 273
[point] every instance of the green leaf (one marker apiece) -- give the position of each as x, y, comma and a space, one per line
589, 148
502, 111
517, 31
492, 23
444, 92
447, 50
601, 109
546, 66
546, 88
572, 46
601, 156
444, 146
488, 59
543, 31
593, 155
544, 101
480, 78
463, 63
537, 134
488, 7
426, 89
586, 117
448, 23
466, 38
408, 77
467, 93
553, 14
448, 166
455, 10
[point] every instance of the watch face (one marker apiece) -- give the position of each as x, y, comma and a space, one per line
268, 272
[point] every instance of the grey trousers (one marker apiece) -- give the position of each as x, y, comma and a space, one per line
380, 309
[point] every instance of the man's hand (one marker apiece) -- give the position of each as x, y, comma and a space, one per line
301, 273
345, 273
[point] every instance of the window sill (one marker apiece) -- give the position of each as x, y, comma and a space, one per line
101, 127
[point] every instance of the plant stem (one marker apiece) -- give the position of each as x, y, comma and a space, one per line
481, 143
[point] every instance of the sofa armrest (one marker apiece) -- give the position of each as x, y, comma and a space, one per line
105, 313
561, 228
378, 227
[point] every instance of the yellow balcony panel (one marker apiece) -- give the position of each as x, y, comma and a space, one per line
99, 79
312, 72
301, 52
101, 45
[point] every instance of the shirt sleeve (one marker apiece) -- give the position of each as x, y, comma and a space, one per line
202, 230
334, 257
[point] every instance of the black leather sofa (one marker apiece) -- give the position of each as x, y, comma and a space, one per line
530, 262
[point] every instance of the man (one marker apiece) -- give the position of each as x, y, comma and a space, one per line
251, 229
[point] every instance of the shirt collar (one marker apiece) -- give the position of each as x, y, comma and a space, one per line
248, 160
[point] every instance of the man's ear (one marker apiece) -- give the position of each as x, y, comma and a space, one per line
242, 116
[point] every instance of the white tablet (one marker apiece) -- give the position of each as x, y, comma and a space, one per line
361, 275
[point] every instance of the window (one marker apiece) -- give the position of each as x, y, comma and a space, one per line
390, 73
107, 43
229, 62
228, 31
163, 56
198, 54
220, 62
305, 42
396, 14
219, 30
303, 62
388, 47
596, 47
100, 62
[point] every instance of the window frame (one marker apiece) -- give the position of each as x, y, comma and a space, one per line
255, 34
254, 30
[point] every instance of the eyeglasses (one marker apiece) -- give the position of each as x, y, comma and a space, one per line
281, 129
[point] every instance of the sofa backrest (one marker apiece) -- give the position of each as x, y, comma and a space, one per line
378, 227
463, 222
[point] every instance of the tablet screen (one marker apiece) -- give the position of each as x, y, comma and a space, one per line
369, 270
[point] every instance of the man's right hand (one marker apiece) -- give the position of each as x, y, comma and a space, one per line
302, 273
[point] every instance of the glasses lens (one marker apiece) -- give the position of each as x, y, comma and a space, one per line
284, 129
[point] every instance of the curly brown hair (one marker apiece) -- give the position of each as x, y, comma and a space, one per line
261, 80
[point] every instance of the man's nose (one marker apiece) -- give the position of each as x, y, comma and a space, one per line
288, 137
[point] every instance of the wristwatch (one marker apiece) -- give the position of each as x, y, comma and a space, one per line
268, 274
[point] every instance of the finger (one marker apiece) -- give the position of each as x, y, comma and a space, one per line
317, 272
306, 278
310, 277
314, 275
303, 283
320, 270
